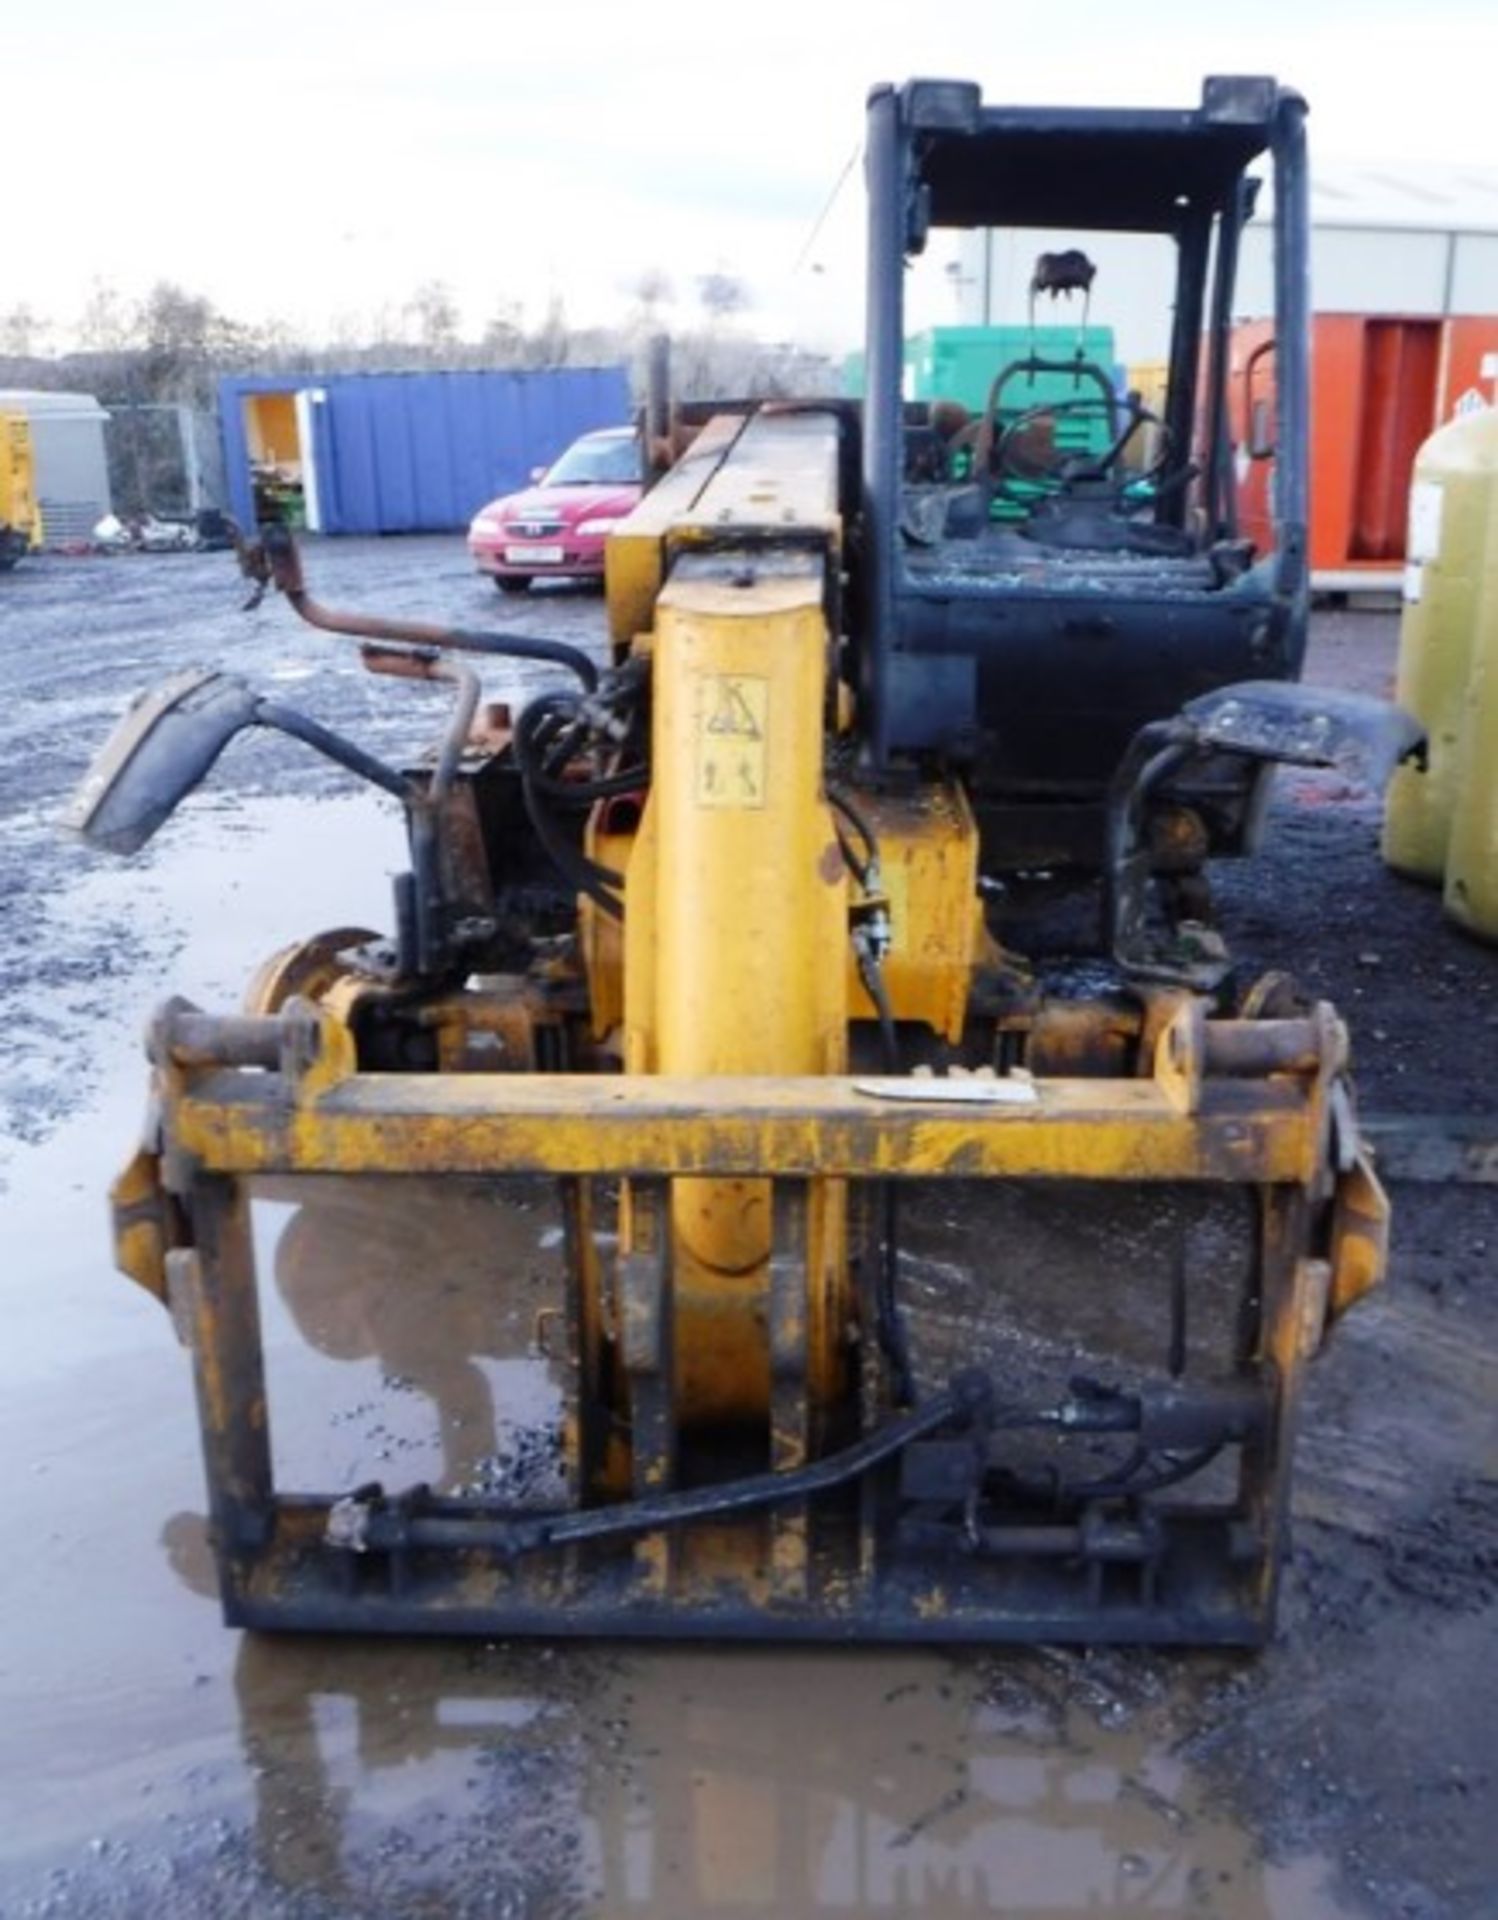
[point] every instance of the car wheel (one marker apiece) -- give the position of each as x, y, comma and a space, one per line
512, 582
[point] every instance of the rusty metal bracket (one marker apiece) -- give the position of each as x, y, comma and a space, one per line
275, 560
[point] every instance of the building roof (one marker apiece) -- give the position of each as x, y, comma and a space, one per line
35, 400
1424, 198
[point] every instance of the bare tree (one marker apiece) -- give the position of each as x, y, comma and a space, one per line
502, 342
24, 334
652, 290
108, 322
548, 346
173, 345
721, 295
349, 331
277, 343
433, 314
185, 340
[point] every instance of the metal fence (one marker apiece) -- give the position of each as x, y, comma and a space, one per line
163, 459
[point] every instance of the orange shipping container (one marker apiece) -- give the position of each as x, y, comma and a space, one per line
1380, 385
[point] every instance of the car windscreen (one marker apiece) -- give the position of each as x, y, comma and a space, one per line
596, 462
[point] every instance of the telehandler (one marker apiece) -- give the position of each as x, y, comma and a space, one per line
720, 937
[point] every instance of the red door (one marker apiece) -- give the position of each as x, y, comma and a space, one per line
1401, 361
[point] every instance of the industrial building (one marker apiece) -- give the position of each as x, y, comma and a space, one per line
1430, 234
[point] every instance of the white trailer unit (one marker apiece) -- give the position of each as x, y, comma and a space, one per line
72, 469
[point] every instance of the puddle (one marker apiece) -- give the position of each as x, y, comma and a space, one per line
404, 1337
886, 1783
225, 884
378, 1775
156, 1762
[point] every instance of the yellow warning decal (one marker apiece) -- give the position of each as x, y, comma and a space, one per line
733, 711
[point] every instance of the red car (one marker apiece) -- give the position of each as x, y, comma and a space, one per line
555, 530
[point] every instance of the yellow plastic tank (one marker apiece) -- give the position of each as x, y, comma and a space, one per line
1451, 555
1471, 889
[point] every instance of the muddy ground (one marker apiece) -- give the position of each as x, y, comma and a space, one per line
153, 1762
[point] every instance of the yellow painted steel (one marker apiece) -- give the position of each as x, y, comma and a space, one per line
778, 479
1360, 1235
141, 1217
928, 855
1452, 573
1244, 1131
769, 477
600, 936
754, 895
735, 896
773, 474
636, 558
928, 845
736, 891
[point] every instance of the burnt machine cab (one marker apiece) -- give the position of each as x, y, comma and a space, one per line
1029, 607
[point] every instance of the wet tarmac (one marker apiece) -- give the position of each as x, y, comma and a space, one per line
155, 1759
153, 1762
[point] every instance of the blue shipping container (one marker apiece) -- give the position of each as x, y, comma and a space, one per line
407, 452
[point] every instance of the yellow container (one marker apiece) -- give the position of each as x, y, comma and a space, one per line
1471, 891
1452, 551
18, 509
1150, 379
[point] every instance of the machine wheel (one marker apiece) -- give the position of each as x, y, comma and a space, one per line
305, 970
512, 582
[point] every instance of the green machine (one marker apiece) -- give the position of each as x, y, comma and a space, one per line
1037, 368
959, 363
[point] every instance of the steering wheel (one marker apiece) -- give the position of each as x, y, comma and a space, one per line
1066, 473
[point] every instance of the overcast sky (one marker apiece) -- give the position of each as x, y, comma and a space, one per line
316, 159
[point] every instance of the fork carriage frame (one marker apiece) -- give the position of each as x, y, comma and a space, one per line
891, 1536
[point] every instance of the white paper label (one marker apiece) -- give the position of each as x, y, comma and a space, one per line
1414, 580
1426, 497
